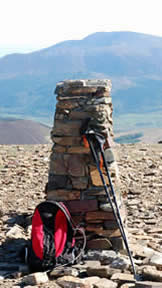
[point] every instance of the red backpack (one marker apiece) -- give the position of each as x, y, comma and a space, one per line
53, 240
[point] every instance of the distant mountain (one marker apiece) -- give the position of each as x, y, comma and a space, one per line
7, 49
131, 60
23, 132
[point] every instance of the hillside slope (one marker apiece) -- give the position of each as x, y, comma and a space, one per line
131, 60
23, 132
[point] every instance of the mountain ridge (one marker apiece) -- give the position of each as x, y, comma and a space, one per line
131, 60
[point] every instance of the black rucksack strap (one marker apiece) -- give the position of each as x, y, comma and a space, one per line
49, 250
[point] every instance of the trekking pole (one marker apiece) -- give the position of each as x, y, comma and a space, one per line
117, 209
117, 212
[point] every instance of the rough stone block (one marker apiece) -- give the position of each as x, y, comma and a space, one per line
156, 259
95, 177
100, 243
122, 278
63, 195
110, 225
63, 86
78, 150
105, 283
78, 115
78, 219
148, 284
151, 273
93, 192
105, 207
103, 110
120, 263
81, 91
77, 206
59, 149
68, 128
101, 255
101, 271
87, 263
110, 233
101, 215
57, 181
15, 232
64, 271
71, 97
97, 228
79, 182
99, 101
91, 280
36, 278
128, 285
60, 115
117, 243
75, 165
143, 251
70, 281
67, 141
57, 164
66, 104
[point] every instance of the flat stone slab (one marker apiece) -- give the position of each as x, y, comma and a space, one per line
82, 87
123, 278
105, 283
148, 284
83, 83
36, 278
156, 259
152, 274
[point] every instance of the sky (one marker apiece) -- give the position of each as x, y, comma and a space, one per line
27, 25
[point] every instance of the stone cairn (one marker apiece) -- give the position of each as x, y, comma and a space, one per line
73, 176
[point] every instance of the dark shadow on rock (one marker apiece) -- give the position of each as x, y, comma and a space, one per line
12, 250
23, 220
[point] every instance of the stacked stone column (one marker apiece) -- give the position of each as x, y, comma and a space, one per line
73, 176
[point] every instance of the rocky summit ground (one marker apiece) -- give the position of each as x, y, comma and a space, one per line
23, 176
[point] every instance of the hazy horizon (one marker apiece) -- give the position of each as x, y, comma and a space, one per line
33, 25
